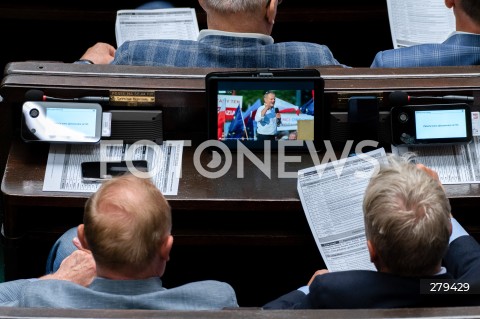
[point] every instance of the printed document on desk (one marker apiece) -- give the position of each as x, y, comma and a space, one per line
171, 23
415, 22
332, 197
455, 164
63, 171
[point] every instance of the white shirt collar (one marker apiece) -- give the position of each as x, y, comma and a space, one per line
442, 271
265, 38
459, 32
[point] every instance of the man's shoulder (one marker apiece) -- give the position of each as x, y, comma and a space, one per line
49, 292
51, 284
211, 293
405, 56
358, 278
465, 247
241, 53
206, 285
365, 289
110, 294
302, 44
428, 54
353, 289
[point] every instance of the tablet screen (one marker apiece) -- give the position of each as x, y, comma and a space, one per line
254, 110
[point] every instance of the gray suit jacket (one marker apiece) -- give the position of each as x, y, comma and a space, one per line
118, 294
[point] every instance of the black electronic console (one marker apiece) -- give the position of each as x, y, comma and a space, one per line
61, 122
431, 124
239, 114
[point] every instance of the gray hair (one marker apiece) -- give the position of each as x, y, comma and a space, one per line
407, 218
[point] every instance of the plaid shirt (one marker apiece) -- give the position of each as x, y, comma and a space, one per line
459, 49
224, 51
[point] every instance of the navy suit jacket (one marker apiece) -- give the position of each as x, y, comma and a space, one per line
371, 289
459, 49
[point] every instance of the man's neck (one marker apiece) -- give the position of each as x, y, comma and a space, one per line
437, 270
463, 23
125, 275
238, 23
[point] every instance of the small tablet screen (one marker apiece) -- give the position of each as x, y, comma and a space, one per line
252, 110
436, 124
66, 122
78, 121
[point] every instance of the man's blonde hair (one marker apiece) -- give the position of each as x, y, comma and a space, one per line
407, 218
125, 222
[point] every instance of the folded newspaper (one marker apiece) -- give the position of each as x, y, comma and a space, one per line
332, 198
171, 23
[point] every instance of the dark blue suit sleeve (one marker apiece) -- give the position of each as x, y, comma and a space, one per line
462, 260
287, 301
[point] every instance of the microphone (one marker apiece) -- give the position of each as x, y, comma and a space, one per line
38, 95
400, 98
279, 120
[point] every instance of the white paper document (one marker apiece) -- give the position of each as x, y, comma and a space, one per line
332, 198
455, 164
415, 22
63, 170
171, 23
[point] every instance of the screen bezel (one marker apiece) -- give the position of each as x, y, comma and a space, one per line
410, 110
311, 78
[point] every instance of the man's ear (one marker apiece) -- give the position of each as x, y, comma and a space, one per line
202, 4
450, 227
81, 236
450, 3
372, 252
271, 11
166, 247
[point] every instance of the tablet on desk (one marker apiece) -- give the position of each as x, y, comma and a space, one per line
234, 98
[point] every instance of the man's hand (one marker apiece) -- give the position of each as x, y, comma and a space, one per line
79, 268
432, 173
318, 272
100, 53
429, 171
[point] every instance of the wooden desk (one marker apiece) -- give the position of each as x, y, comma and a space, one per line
250, 232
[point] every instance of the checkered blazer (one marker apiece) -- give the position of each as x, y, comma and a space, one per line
223, 51
458, 49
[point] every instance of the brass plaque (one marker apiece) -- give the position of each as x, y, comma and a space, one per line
132, 98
